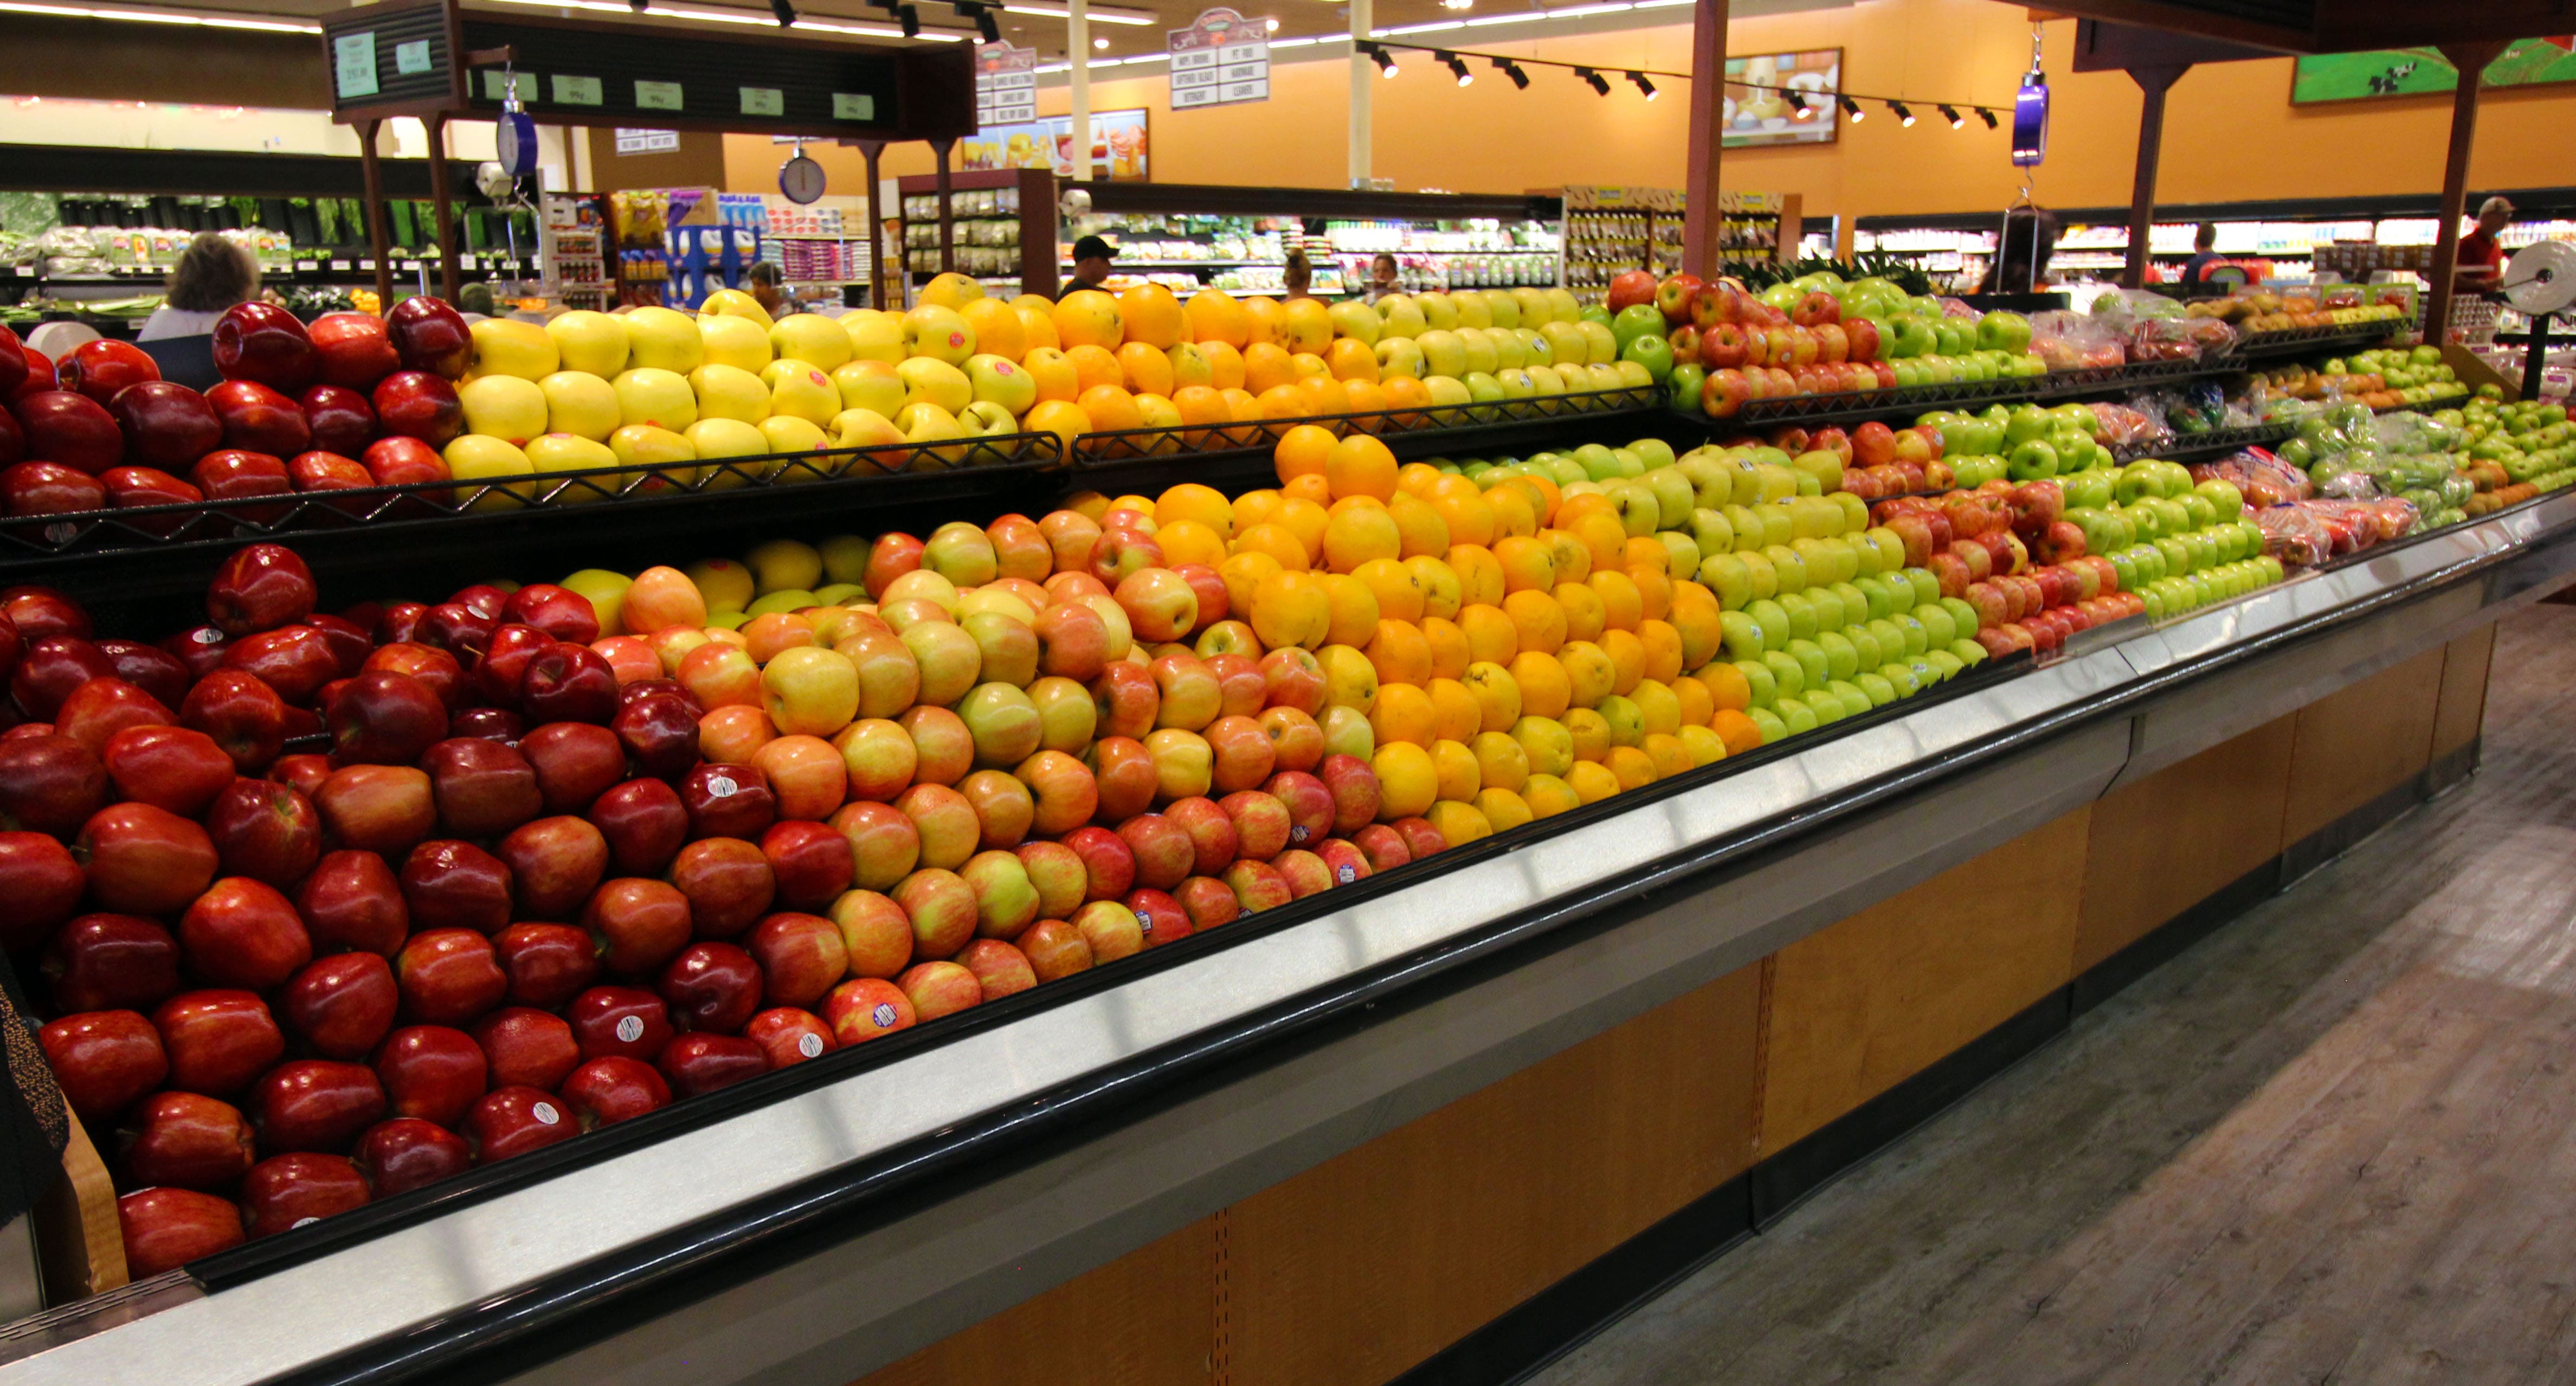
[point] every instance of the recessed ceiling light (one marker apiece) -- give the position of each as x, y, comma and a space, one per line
1100, 43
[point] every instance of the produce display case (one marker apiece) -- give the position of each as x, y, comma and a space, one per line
1237, 239
1609, 231
999, 229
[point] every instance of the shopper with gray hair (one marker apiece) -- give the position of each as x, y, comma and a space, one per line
2481, 261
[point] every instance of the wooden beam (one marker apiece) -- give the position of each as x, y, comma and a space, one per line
1703, 238
449, 262
872, 150
2184, 19
939, 150
2345, 26
2153, 82
2471, 59
374, 171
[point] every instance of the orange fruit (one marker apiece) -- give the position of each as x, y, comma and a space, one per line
1301, 451
1528, 564
1319, 396
1037, 325
1200, 405
1458, 715
1289, 608
1304, 325
997, 327
1537, 620
1703, 746
1243, 572
1603, 537
1588, 672
1312, 489
1367, 401
1306, 518
1423, 531
1407, 783
1281, 402
1087, 317
1548, 796
1582, 607
1544, 691
1737, 730
1627, 656
1655, 591
1697, 628
1061, 417
1500, 761
1404, 713
1480, 578
1361, 466
1276, 541
1491, 636
1649, 551
1728, 690
1354, 609
1469, 518
1659, 708
1266, 367
1189, 541
1459, 823
1148, 370
1151, 315
1448, 647
1398, 588
1663, 650
1503, 809
1693, 704
1261, 322
1191, 501
1589, 731
1215, 316
1572, 556
1225, 365
1416, 478
1404, 394
1094, 366
1054, 376
1454, 771
1621, 605
1355, 534
1634, 767
1349, 358
1110, 408
1399, 652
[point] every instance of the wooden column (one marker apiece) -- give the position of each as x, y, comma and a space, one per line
2153, 83
449, 265
1703, 247
939, 150
2471, 59
872, 150
373, 171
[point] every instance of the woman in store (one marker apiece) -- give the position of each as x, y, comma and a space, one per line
212, 275
767, 284
2021, 261
1381, 277
1298, 277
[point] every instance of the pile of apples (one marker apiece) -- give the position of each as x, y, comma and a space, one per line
1818, 335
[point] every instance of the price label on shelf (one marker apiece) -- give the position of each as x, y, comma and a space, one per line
466, 261
340, 266
304, 266
1222, 59
1006, 85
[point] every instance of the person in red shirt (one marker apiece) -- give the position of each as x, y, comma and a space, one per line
2481, 259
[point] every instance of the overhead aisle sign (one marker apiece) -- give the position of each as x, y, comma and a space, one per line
1221, 60
1006, 85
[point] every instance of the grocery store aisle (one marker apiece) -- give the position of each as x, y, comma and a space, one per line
2334, 1141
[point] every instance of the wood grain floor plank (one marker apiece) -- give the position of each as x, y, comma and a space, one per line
2334, 1142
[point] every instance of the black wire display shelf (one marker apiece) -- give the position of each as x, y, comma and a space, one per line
1237, 457
2330, 337
1862, 406
530, 526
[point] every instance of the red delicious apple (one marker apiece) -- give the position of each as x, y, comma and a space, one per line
341, 421
397, 460
1629, 289
352, 350
787, 1035
166, 1228
316, 1104
266, 831
644, 824
416, 404
144, 860
97, 710
1159, 917
70, 429
49, 783
186, 1140
428, 335
234, 475
728, 801
241, 713
106, 962
639, 924
50, 488
243, 933
51, 669
147, 667
449, 976
554, 864
575, 763
569, 683
514, 1121
167, 767
612, 1089
259, 419
378, 808
285, 1192
433, 1072
263, 342
660, 732
624, 1021
328, 471
353, 900
526, 1047
104, 1060
456, 885
702, 1063
547, 964
341, 1005
810, 863
728, 882
166, 424
101, 367
408, 1153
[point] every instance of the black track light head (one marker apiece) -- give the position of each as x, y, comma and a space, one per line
1639, 79
1796, 102
1600, 85
905, 15
1508, 68
1458, 68
1385, 61
1903, 116
1852, 109
1951, 114
985, 27
1987, 116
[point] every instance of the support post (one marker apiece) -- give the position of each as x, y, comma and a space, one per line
872, 150
1077, 56
1363, 92
939, 152
2152, 82
449, 268
1703, 230
2471, 59
373, 172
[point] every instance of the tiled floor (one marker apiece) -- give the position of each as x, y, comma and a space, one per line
2334, 1142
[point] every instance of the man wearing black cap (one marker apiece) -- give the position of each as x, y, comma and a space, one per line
1091, 257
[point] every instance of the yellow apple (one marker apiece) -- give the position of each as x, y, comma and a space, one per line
662, 398
1504, 309
798, 389
718, 439
506, 346
938, 333
567, 452
578, 402
811, 338
1561, 306
1565, 342
504, 407
642, 445
606, 591
734, 303
874, 336
735, 342
933, 382
1536, 311
951, 291
984, 419
866, 428
1473, 309
788, 433
1439, 310
724, 583
867, 384
1403, 316
664, 339
1444, 352
1000, 380
729, 392
1447, 389
1356, 319
1399, 356
476, 458
1600, 347
594, 343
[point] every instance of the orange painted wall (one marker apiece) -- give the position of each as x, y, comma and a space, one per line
2230, 131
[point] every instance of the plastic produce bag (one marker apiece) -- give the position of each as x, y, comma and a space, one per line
2077, 341
2295, 537
2131, 431
2262, 478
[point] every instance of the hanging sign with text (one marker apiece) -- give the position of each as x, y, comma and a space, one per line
1220, 60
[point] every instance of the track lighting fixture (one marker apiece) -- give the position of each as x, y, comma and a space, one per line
1385, 61
1851, 108
1458, 69
1903, 116
637, 5
1796, 102
1987, 116
1600, 85
985, 27
1951, 115
1642, 84
786, 12
905, 15
1520, 79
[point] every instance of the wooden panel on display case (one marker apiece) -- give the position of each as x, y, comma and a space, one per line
1358, 1269
2462, 710
2358, 744
1861, 1006
1145, 1319
2175, 838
